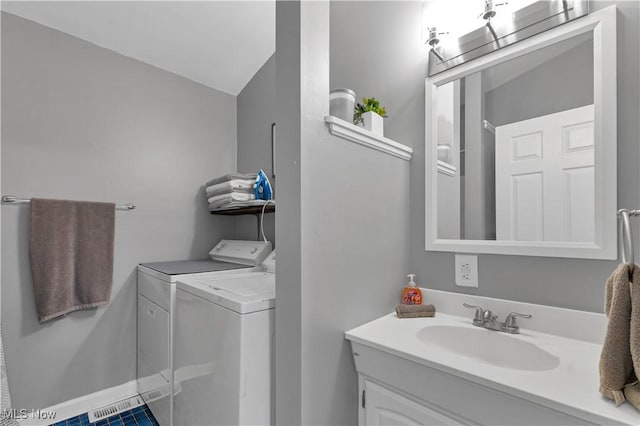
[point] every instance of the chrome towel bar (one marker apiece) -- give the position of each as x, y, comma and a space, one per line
12, 199
626, 236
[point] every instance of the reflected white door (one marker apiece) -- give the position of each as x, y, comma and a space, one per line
545, 178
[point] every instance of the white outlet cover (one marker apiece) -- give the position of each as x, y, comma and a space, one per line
466, 270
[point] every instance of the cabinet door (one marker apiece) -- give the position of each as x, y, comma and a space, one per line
386, 407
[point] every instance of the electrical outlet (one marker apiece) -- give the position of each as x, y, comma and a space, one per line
466, 270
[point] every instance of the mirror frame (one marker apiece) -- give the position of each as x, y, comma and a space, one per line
603, 25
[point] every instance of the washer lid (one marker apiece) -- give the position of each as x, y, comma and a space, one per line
180, 267
238, 251
243, 292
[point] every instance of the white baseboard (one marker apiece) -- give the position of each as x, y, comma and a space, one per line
80, 405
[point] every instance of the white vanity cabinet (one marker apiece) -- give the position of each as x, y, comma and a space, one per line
384, 406
410, 374
397, 391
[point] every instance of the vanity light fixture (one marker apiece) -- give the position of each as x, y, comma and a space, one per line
490, 9
433, 40
490, 12
504, 22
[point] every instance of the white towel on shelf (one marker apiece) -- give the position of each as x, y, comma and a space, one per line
231, 177
228, 189
233, 196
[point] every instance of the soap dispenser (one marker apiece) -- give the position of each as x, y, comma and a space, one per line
411, 295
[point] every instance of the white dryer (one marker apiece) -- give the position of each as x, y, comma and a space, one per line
156, 314
224, 348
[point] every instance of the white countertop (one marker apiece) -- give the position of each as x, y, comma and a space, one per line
571, 387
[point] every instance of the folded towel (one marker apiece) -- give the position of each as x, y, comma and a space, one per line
415, 311
229, 187
221, 204
225, 202
616, 364
634, 338
233, 176
234, 196
219, 192
632, 391
71, 254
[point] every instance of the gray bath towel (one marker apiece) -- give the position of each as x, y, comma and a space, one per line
632, 391
71, 254
616, 364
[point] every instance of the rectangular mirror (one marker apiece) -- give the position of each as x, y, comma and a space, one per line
521, 147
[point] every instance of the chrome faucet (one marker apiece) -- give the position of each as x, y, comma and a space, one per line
486, 319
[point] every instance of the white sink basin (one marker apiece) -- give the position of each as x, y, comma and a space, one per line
490, 347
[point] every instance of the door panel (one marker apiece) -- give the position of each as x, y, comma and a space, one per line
545, 187
385, 408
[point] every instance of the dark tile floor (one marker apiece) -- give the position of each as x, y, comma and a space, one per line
139, 416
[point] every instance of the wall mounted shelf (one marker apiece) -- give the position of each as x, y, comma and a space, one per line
245, 210
359, 135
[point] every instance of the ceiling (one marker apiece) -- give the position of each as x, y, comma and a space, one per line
220, 44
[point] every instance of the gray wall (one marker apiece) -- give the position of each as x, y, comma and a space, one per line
342, 222
288, 365
256, 112
449, 205
562, 83
569, 283
82, 122
479, 212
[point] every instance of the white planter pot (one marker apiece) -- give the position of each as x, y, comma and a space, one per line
373, 123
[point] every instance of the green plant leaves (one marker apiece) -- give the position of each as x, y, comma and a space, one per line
368, 105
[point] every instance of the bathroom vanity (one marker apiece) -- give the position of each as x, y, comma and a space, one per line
446, 371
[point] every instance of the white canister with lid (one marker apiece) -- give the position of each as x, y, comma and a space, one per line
341, 103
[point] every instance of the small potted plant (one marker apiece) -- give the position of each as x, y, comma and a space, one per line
370, 114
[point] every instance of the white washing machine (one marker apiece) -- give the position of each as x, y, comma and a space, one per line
156, 314
224, 349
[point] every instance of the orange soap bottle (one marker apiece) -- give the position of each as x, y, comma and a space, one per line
411, 295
